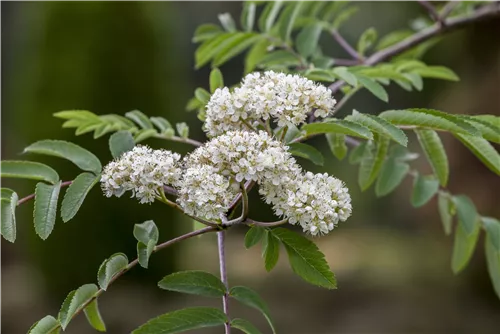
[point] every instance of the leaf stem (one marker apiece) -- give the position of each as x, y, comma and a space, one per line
345, 45
31, 196
180, 140
223, 277
264, 224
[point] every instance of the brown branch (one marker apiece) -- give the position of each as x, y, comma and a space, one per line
432, 11
345, 45
31, 196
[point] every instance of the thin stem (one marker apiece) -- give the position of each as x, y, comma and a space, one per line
31, 196
248, 185
244, 208
283, 133
136, 261
432, 11
447, 9
180, 140
345, 45
248, 125
264, 224
223, 277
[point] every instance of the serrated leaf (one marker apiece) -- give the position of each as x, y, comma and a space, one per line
248, 16
318, 74
488, 130
371, 164
270, 251
429, 118
76, 193
234, 48
8, 214
337, 145
144, 252
46, 325
280, 58
113, 265
436, 72
74, 301
491, 119
144, 134
161, 123
250, 298
463, 246
339, 126
146, 231
380, 126
424, 188
344, 74
205, 32
483, 150
492, 250
211, 47
374, 87
253, 236
466, 212
307, 39
28, 170
255, 54
245, 326
102, 129
444, 206
94, 316
216, 80
287, 20
121, 142
194, 282
435, 153
183, 320
306, 259
366, 40
45, 208
81, 157
307, 152
391, 175
358, 153
140, 119
415, 79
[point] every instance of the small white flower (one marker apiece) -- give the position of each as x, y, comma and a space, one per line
143, 171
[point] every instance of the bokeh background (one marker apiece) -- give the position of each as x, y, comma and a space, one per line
392, 261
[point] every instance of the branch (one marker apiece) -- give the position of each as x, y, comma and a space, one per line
31, 196
343, 43
266, 224
180, 140
223, 277
483, 13
136, 261
432, 11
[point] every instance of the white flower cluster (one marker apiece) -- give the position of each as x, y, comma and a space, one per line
317, 202
285, 98
143, 171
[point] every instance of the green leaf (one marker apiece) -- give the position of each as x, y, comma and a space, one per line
146, 231
216, 80
306, 259
490, 119
492, 250
358, 153
245, 326
278, 58
436, 72
415, 79
366, 40
74, 301
379, 125
270, 251
83, 115
488, 130
144, 252
210, 48
268, 16
374, 87
45, 208
202, 95
307, 152
139, 118
102, 129
429, 118
253, 236
205, 32
343, 16
227, 22
446, 211
435, 153
28, 170
144, 134
8, 214
194, 282
234, 47
81, 157
76, 193
307, 39
463, 247
161, 123
112, 266
248, 16
344, 74
183, 129
391, 175
94, 316
250, 298
466, 212
121, 142
424, 188
183, 320
287, 20
318, 74
371, 164
340, 127
393, 38
46, 325
483, 150
337, 145
255, 54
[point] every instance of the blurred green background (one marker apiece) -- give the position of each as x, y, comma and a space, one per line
391, 261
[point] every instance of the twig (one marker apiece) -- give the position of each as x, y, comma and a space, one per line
136, 261
264, 224
31, 196
346, 46
432, 11
180, 140
448, 8
223, 277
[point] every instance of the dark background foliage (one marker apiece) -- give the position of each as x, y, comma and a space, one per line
391, 261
